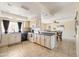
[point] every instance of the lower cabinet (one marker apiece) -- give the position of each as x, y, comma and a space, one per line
53, 41
30, 37
47, 41
42, 40
12, 38
38, 39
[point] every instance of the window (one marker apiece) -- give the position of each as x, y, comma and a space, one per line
13, 27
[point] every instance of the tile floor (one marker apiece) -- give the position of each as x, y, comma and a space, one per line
65, 48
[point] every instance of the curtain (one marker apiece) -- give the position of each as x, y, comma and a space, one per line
19, 26
6, 24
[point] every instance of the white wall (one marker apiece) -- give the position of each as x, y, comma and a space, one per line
77, 36
69, 30
77, 42
0, 31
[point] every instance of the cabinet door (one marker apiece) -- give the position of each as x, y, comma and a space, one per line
42, 40
38, 39
53, 41
47, 41
12, 39
18, 38
4, 40
35, 37
30, 37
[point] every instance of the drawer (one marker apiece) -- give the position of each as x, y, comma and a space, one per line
5, 40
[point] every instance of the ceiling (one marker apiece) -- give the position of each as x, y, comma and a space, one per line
33, 9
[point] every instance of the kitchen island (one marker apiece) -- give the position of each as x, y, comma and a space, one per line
46, 39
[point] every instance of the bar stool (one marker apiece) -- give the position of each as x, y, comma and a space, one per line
59, 36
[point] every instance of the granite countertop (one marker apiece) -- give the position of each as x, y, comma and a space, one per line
47, 33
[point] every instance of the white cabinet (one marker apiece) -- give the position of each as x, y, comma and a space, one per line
4, 40
77, 41
14, 38
48, 41
0, 32
42, 40
11, 38
30, 37
38, 39
53, 41
35, 38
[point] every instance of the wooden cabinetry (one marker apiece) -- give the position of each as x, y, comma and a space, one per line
53, 42
14, 38
4, 40
77, 41
35, 37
